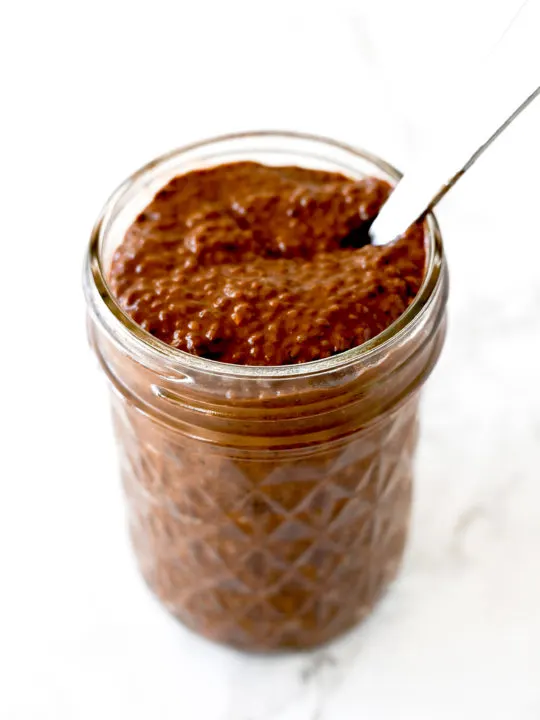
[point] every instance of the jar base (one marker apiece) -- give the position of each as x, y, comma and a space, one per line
281, 640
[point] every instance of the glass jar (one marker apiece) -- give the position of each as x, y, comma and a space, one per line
268, 506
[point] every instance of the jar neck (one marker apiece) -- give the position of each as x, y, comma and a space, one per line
283, 411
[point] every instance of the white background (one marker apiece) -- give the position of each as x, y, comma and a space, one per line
92, 90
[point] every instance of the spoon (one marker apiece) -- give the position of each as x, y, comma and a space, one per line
485, 104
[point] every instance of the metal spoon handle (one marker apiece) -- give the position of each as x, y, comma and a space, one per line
488, 101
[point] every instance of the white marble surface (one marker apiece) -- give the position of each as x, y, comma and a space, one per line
458, 636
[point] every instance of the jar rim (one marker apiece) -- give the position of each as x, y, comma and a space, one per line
126, 332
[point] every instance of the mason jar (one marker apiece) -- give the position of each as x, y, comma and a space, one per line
268, 507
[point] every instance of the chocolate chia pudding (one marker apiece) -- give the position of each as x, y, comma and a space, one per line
266, 361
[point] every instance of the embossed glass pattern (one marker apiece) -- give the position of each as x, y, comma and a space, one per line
268, 507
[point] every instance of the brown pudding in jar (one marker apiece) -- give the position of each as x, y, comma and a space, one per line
257, 265
266, 383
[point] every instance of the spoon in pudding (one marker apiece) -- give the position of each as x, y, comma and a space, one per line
487, 102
